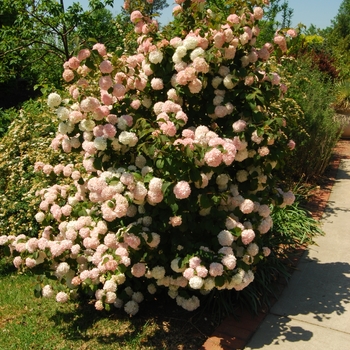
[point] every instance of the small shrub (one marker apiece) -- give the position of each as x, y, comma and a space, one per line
314, 94
27, 141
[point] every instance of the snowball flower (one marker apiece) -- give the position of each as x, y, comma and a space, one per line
265, 225
188, 304
291, 144
242, 175
233, 18
62, 269
190, 42
266, 251
54, 100
247, 236
213, 158
155, 184
175, 221
62, 297
247, 206
225, 238
275, 80
136, 16
258, 13
280, 40
229, 261
128, 138
158, 272
17, 261
157, 84
47, 291
106, 67
40, 216
138, 270
99, 305
30, 262
110, 286
288, 198
68, 75
253, 249
216, 269
182, 190
155, 57
202, 271
196, 282
138, 297
175, 265
264, 210
101, 49
292, 33
131, 307
239, 125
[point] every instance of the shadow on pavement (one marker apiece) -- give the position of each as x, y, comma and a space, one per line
324, 294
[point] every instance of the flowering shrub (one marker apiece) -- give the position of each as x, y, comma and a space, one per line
179, 144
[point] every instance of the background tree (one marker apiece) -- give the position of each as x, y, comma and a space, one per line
338, 38
276, 16
147, 8
37, 37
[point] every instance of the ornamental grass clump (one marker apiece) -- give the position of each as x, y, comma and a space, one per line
179, 144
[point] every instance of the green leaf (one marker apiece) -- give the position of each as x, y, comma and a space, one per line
165, 186
160, 163
6, 250
195, 175
219, 281
205, 201
174, 207
37, 291
90, 63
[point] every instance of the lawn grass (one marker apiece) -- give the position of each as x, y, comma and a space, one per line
30, 323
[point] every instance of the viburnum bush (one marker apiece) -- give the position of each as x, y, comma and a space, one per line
179, 143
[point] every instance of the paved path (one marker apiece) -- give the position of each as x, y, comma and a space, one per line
313, 311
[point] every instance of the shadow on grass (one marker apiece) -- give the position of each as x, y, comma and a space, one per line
160, 324
6, 266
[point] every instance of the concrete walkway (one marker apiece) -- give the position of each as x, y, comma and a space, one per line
313, 311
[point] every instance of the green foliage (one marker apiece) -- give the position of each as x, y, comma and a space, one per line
6, 117
269, 24
26, 141
39, 35
294, 226
150, 9
338, 39
314, 93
